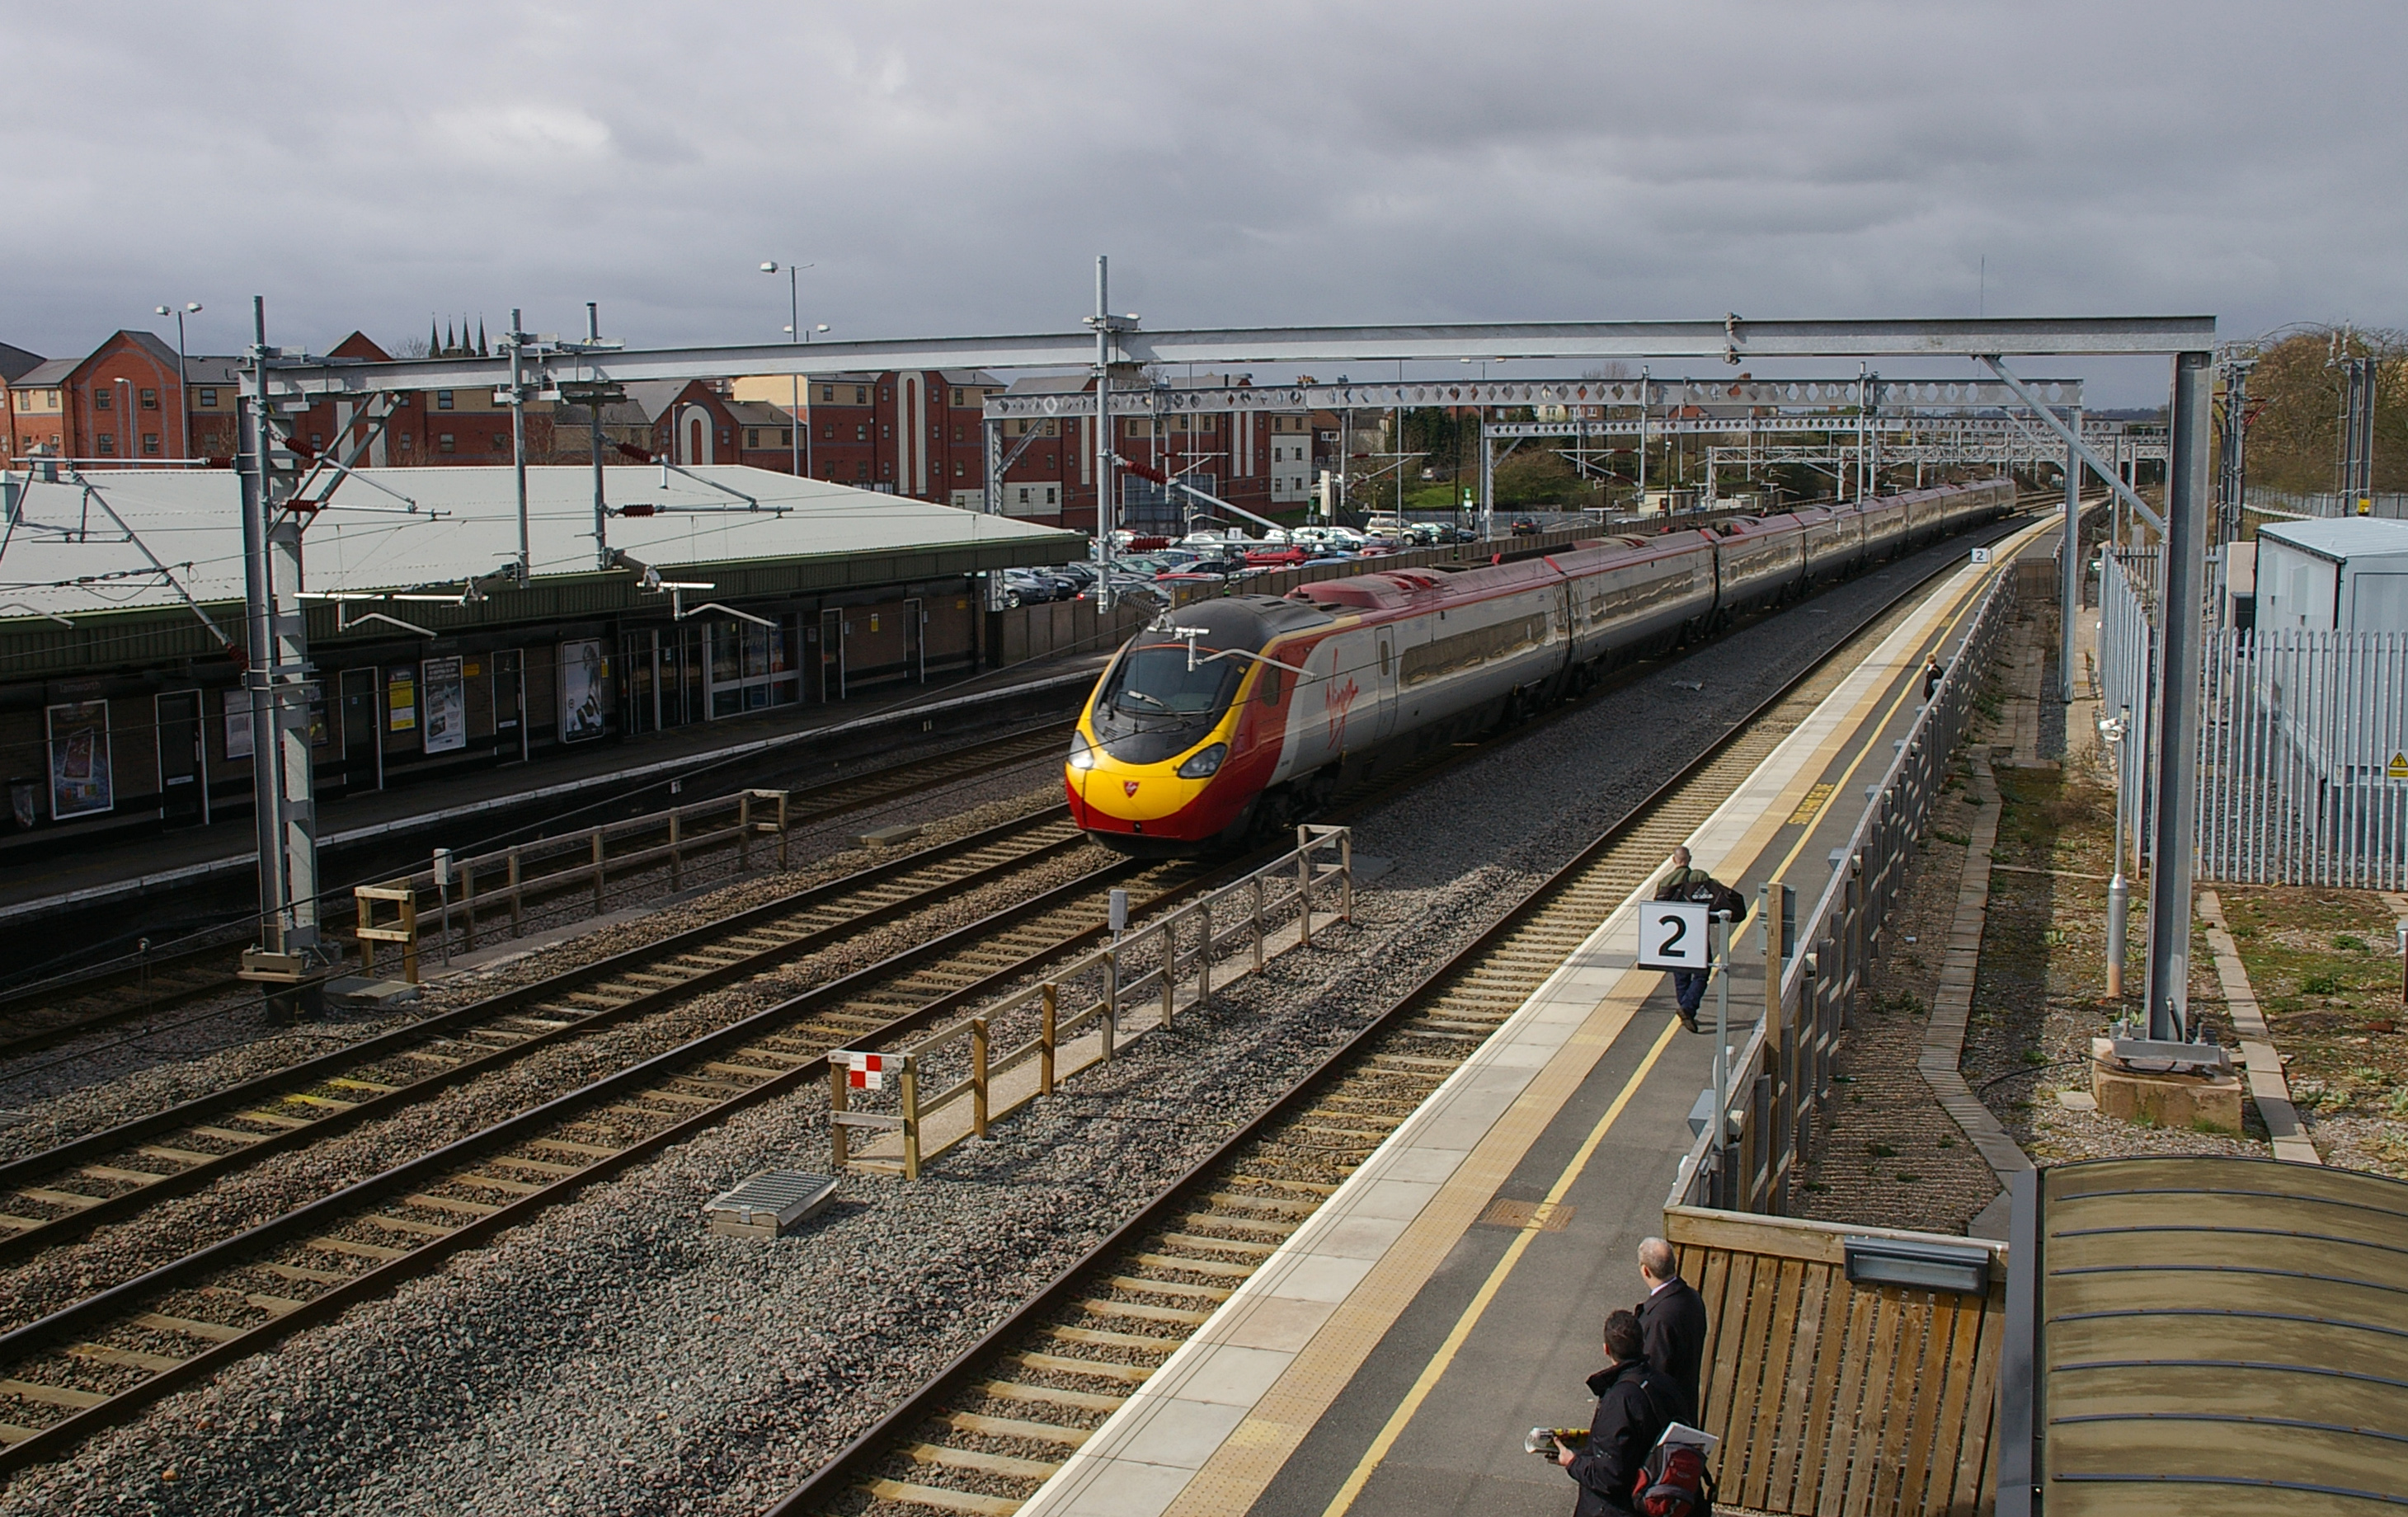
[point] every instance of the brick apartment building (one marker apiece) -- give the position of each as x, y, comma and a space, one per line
916, 432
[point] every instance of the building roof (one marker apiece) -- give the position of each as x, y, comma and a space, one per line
49, 374
67, 554
212, 368
2343, 537
655, 396
759, 413
15, 361
2212, 1336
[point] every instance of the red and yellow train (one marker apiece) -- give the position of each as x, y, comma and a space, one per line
1227, 718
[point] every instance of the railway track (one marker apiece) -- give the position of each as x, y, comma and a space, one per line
98, 1360
987, 1432
53, 1011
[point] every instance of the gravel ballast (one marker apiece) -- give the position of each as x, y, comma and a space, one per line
615, 1355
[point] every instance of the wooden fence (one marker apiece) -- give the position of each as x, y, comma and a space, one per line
502, 884
1832, 1397
1180, 951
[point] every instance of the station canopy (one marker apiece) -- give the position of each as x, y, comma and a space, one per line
86, 543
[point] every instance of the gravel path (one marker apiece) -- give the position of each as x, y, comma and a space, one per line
613, 1355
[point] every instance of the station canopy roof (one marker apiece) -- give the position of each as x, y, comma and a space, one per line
78, 546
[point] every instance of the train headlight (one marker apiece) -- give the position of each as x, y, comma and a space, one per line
1206, 763
1083, 753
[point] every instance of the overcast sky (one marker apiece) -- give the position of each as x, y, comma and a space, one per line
955, 168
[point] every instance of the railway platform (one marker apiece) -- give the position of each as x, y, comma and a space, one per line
711, 755
1392, 1353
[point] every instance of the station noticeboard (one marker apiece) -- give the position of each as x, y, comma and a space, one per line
1673, 935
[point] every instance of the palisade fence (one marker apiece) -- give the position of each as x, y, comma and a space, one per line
2323, 503
2302, 767
1783, 1073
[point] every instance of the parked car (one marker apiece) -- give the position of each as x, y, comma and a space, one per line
1026, 587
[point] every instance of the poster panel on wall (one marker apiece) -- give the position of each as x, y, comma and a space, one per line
401, 700
583, 671
447, 705
81, 778
238, 723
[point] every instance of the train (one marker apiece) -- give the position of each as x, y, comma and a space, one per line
1226, 718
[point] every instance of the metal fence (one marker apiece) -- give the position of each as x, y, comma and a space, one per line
1784, 1072
2303, 766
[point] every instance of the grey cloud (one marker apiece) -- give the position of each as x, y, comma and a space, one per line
955, 167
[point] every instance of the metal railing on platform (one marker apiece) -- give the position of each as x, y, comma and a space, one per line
1783, 1073
1184, 955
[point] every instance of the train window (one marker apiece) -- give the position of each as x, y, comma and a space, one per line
1269, 689
1383, 658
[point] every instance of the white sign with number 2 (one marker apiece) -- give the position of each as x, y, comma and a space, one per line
1673, 936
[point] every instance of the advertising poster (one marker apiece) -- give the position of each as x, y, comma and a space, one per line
447, 705
238, 723
80, 767
582, 673
401, 700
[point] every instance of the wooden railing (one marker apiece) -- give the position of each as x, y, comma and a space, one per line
1838, 1397
509, 880
1187, 953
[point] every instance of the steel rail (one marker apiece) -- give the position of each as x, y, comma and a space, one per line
183, 1116
808, 807
834, 1479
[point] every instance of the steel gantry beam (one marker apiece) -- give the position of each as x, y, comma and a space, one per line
1731, 340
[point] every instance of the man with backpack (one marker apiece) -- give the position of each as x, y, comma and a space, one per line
1634, 1404
1683, 883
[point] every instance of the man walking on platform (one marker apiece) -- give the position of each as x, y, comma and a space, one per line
1673, 1323
1684, 883
1634, 1405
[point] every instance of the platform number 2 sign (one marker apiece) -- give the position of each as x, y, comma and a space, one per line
1673, 936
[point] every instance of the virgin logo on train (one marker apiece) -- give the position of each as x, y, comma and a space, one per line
1128, 787
1336, 700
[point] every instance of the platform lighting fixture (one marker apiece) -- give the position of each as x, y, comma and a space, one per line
183, 408
798, 437
1961, 1268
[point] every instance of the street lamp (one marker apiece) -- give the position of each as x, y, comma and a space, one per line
794, 333
183, 408
2112, 731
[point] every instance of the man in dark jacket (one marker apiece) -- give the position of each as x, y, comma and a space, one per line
1673, 1323
1634, 1405
1683, 883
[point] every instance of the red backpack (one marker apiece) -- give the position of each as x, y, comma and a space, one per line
1673, 1483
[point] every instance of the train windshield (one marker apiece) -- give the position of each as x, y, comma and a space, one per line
1155, 705
1159, 680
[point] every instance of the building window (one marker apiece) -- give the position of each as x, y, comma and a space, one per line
444, 443
886, 392
106, 444
443, 400
150, 400
827, 393
752, 437
100, 399
723, 434
209, 400
785, 436
957, 395
861, 432
501, 442
861, 471
1024, 500
151, 442
50, 398
828, 430
958, 471
887, 469
404, 439
317, 440
886, 431
861, 394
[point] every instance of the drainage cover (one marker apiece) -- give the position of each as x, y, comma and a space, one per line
770, 1204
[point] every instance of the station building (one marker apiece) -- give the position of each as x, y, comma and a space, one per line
122, 628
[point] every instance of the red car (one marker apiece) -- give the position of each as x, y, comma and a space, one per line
1276, 558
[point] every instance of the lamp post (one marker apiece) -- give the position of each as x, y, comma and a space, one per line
183, 378
125, 414
794, 333
2119, 889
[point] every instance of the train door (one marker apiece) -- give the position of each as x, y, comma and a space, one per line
183, 768
915, 641
510, 705
831, 655
362, 753
1386, 670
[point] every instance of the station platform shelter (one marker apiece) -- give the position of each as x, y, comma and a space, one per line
701, 596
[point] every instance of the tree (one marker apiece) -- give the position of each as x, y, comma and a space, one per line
2295, 395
